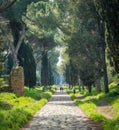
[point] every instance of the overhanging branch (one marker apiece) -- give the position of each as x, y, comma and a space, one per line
20, 39
6, 6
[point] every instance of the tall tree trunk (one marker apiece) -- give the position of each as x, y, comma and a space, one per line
73, 74
89, 88
105, 68
102, 45
51, 77
18, 30
27, 61
67, 74
83, 88
44, 71
98, 85
109, 13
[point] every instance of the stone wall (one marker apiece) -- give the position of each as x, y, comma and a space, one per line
17, 80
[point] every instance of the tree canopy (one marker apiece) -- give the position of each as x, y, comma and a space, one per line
86, 31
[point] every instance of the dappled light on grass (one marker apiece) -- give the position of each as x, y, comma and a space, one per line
90, 103
15, 111
33, 93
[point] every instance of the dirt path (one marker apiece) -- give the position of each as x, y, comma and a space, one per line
103, 107
106, 110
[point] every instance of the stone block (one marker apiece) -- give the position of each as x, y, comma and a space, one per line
17, 80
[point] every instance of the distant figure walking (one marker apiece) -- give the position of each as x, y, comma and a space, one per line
61, 89
74, 90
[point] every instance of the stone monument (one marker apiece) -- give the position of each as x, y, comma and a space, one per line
17, 80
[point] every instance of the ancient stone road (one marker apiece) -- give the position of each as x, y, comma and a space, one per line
61, 114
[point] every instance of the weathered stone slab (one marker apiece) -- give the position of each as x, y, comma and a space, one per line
17, 80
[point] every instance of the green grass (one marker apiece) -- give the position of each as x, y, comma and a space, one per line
90, 102
89, 107
33, 93
15, 111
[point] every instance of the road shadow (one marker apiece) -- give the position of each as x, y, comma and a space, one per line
61, 122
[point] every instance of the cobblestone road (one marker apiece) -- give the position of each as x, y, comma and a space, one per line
61, 114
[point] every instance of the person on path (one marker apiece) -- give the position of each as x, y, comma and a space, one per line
74, 90
61, 89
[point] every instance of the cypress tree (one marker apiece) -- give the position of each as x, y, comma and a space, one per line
27, 61
45, 80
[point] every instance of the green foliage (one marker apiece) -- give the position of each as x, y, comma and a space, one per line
108, 11
27, 61
7, 96
39, 93
54, 87
89, 103
20, 6
115, 81
89, 108
46, 95
33, 93
1, 82
111, 125
3, 43
53, 59
16, 117
83, 41
16, 111
41, 18
115, 104
113, 84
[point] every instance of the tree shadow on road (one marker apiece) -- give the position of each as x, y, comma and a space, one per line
62, 122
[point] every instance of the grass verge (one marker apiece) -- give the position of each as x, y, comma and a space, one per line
16, 111
89, 106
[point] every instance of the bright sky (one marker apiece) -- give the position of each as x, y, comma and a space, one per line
60, 57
